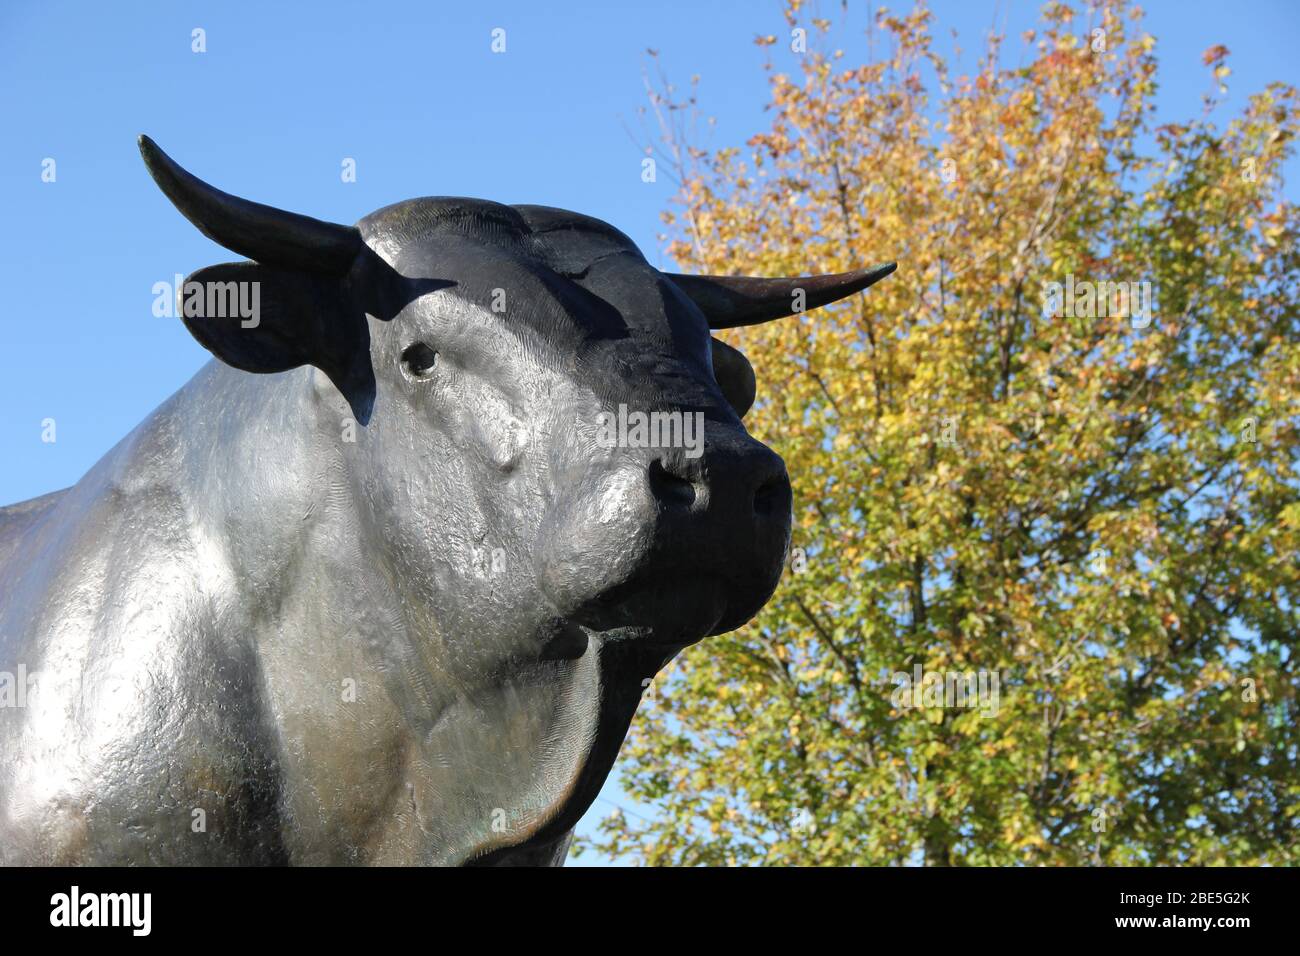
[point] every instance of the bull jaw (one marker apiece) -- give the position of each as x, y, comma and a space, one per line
611, 634
625, 662
669, 612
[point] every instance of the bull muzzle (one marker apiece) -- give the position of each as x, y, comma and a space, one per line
671, 546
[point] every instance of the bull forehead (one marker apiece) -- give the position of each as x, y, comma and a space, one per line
566, 242
572, 281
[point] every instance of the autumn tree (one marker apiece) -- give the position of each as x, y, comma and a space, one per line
1007, 463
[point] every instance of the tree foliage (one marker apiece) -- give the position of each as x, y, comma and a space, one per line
1100, 510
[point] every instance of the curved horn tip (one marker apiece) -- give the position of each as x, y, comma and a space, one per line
160, 164
872, 275
149, 150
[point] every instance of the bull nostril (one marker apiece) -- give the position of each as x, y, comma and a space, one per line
771, 496
669, 488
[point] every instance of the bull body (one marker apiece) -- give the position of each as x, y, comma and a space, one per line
386, 602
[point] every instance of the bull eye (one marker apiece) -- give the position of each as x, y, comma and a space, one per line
419, 359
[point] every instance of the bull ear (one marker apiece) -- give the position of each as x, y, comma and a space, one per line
732, 301
263, 319
735, 376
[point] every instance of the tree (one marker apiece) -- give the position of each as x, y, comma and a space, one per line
1074, 502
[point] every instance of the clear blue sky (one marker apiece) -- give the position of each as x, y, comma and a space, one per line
413, 93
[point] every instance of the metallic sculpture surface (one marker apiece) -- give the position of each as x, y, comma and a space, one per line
396, 602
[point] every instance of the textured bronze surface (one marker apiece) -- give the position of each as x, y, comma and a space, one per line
394, 600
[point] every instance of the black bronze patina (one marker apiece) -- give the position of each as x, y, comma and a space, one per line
395, 604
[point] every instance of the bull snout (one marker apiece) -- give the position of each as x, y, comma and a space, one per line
736, 493
677, 541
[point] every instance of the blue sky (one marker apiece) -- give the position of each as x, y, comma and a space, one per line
414, 94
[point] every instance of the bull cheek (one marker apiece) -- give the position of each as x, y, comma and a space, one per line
595, 541
497, 429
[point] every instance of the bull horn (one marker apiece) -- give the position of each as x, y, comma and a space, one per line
265, 234
732, 301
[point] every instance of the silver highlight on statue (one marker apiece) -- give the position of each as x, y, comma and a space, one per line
369, 589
